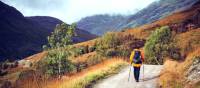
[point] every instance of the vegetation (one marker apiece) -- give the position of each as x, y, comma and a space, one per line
104, 69
112, 45
61, 37
158, 45
177, 77
108, 41
94, 59
56, 62
4, 66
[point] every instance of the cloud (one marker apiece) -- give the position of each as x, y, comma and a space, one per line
73, 10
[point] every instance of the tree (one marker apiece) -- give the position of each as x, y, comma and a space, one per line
56, 62
157, 46
61, 37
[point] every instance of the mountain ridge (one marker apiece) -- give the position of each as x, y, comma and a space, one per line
22, 36
151, 13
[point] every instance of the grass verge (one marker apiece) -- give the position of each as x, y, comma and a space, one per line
93, 74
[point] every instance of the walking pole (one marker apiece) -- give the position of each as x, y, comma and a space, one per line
143, 72
129, 73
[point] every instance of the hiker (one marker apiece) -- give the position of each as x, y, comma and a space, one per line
136, 59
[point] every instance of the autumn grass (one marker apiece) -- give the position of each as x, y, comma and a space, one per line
173, 74
83, 58
188, 41
90, 75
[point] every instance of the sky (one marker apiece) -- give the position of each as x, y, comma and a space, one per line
71, 11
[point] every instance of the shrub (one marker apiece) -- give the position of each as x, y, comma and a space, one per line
108, 41
84, 49
92, 48
56, 63
8, 64
3, 72
110, 53
157, 46
94, 59
124, 53
174, 51
77, 51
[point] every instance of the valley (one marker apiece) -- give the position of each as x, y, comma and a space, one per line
89, 55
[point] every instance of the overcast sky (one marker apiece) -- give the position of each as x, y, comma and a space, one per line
73, 10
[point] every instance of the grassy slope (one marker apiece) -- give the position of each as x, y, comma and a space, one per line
94, 73
173, 73
89, 75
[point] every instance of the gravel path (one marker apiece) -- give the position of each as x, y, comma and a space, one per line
120, 80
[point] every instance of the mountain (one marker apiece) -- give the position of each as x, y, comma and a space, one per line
185, 27
49, 23
157, 10
24, 36
45, 21
100, 24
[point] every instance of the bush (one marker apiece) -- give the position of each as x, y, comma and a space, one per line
111, 52
77, 51
56, 63
8, 64
108, 41
3, 72
84, 49
157, 46
92, 60
92, 48
174, 52
124, 53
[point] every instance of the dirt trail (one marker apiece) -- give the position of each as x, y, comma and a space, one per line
120, 80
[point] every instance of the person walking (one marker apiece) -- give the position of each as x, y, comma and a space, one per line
136, 60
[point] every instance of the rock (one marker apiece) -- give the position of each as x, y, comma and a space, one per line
193, 73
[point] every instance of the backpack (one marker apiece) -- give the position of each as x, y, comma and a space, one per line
137, 57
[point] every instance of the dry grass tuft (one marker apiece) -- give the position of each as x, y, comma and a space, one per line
173, 74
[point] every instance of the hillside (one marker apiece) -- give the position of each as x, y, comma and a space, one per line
24, 36
50, 23
45, 21
19, 37
101, 53
157, 10
100, 24
186, 25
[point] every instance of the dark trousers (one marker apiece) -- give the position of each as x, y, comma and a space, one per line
136, 73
